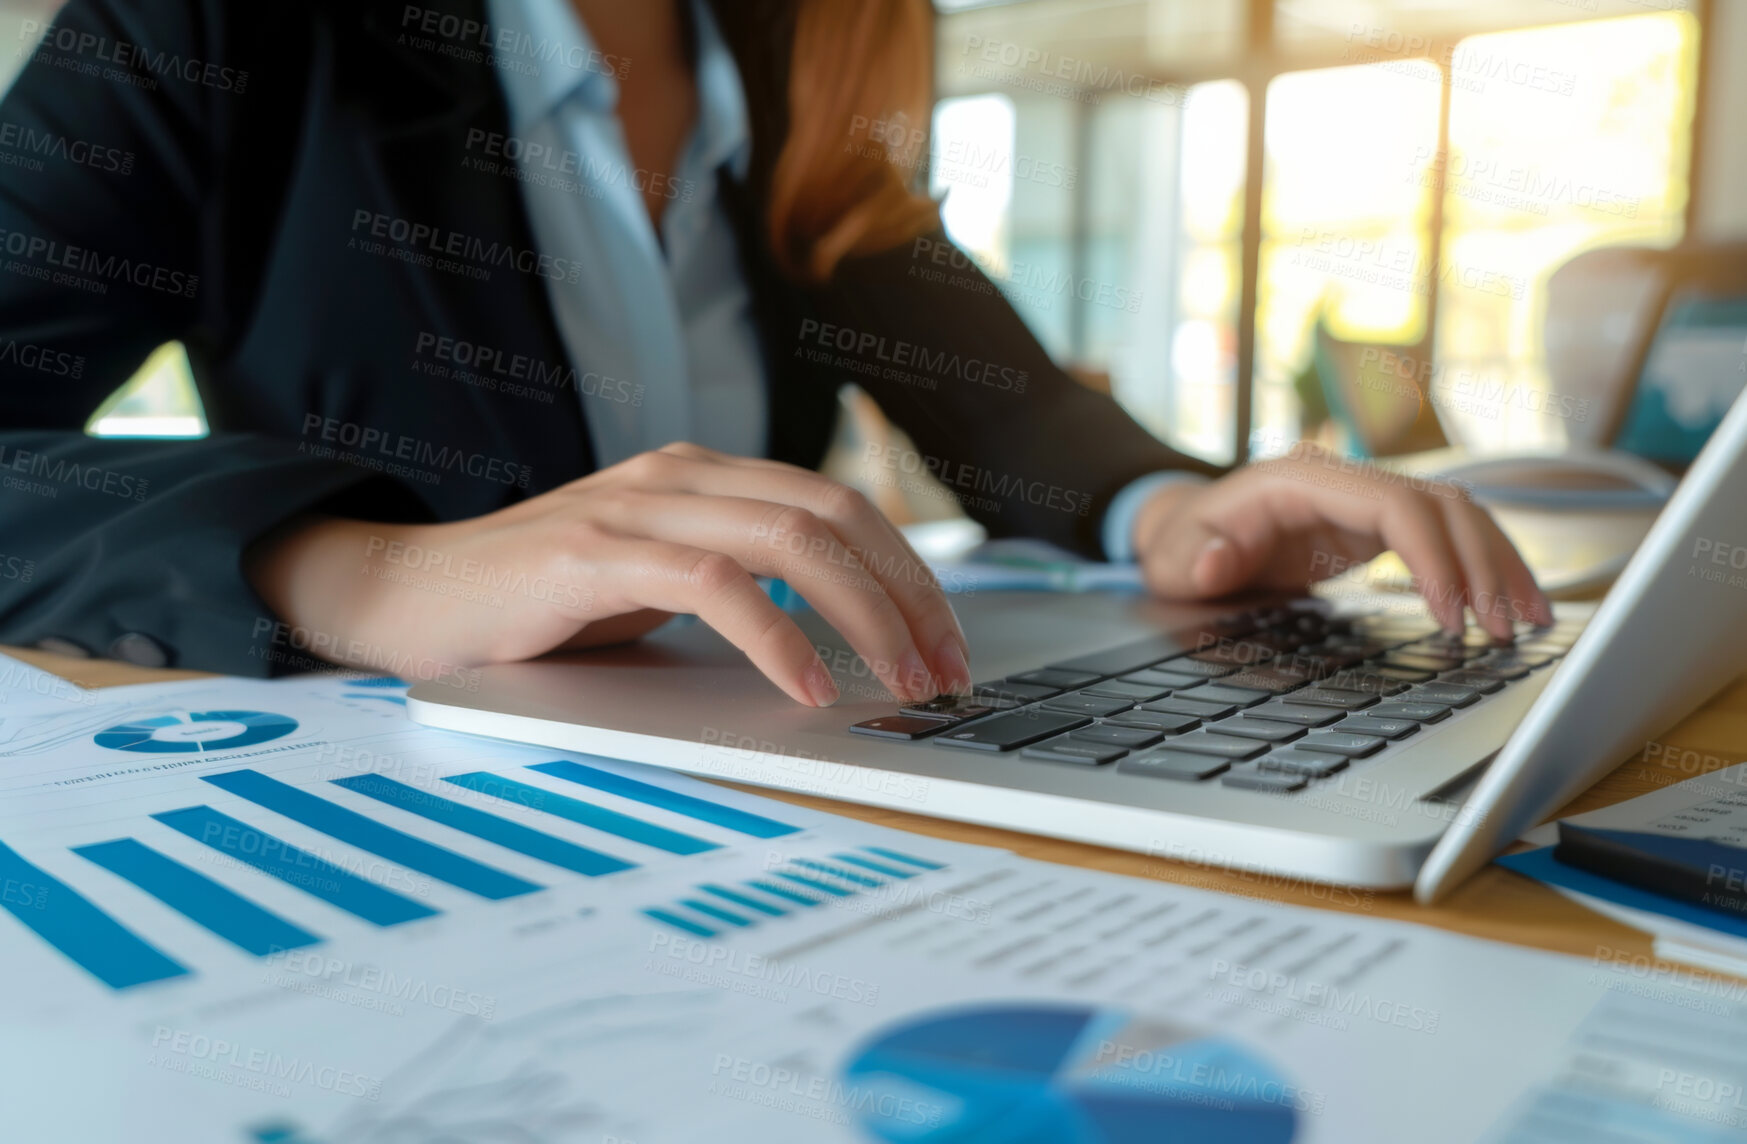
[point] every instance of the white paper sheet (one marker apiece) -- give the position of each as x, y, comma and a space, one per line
934, 992
24, 688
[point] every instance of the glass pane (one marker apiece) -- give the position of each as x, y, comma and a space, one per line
159, 400
1009, 190
1345, 238
1166, 265
1535, 177
972, 170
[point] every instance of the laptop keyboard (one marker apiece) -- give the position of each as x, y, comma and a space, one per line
1269, 700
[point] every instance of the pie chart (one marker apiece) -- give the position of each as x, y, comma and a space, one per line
1024, 1073
196, 731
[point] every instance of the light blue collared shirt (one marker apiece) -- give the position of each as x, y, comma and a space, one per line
659, 329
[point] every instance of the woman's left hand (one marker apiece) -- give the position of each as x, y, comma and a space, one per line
1286, 523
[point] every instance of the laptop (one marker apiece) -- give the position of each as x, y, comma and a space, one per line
1322, 739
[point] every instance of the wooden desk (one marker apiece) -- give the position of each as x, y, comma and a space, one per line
1494, 904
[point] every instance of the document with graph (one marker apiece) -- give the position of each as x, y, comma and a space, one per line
279, 912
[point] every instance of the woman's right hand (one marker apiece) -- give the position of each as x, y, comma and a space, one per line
611, 556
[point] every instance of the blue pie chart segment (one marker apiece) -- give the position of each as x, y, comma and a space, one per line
196, 731
1063, 1074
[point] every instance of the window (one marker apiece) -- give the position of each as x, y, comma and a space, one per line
1534, 177
1425, 166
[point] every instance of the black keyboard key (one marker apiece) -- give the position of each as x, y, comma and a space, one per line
1188, 705
1054, 677
1168, 764
1235, 653
1083, 755
956, 707
1011, 730
1205, 742
1133, 692
1018, 692
1266, 730
1325, 664
1273, 782
1367, 682
1511, 662
1418, 712
1163, 723
1221, 692
1126, 658
1370, 725
1342, 743
1419, 661
1396, 626
1445, 650
1081, 703
1473, 637
1235, 624
1323, 697
1114, 735
1275, 679
1172, 680
1478, 680
1307, 763
1354, 646
1448, 694
1184, 666
1403, 674
901, 727
1282, 712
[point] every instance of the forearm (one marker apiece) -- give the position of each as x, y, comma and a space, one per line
323, 577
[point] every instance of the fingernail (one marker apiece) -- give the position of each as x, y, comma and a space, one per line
1205, 571
952, 668
913, 679
820, 686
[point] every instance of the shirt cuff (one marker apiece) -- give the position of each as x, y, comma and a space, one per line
1117, 530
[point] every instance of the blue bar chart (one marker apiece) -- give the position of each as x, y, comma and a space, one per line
489, 814
85, 934
746, 900
803, 882
367, 834
200, 899
108, 950
489, 827
582, 813
295, 866
754, 825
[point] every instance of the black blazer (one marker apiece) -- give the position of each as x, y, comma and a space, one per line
286, 188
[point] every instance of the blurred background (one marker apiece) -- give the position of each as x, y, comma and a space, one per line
1255, 221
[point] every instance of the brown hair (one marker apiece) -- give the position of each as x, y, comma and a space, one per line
858, 113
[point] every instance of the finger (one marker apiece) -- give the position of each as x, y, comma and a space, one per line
716, 589
1521, 580
791, 543
883, 548
1190, 559
877, 544
1415, 530
1469, 533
